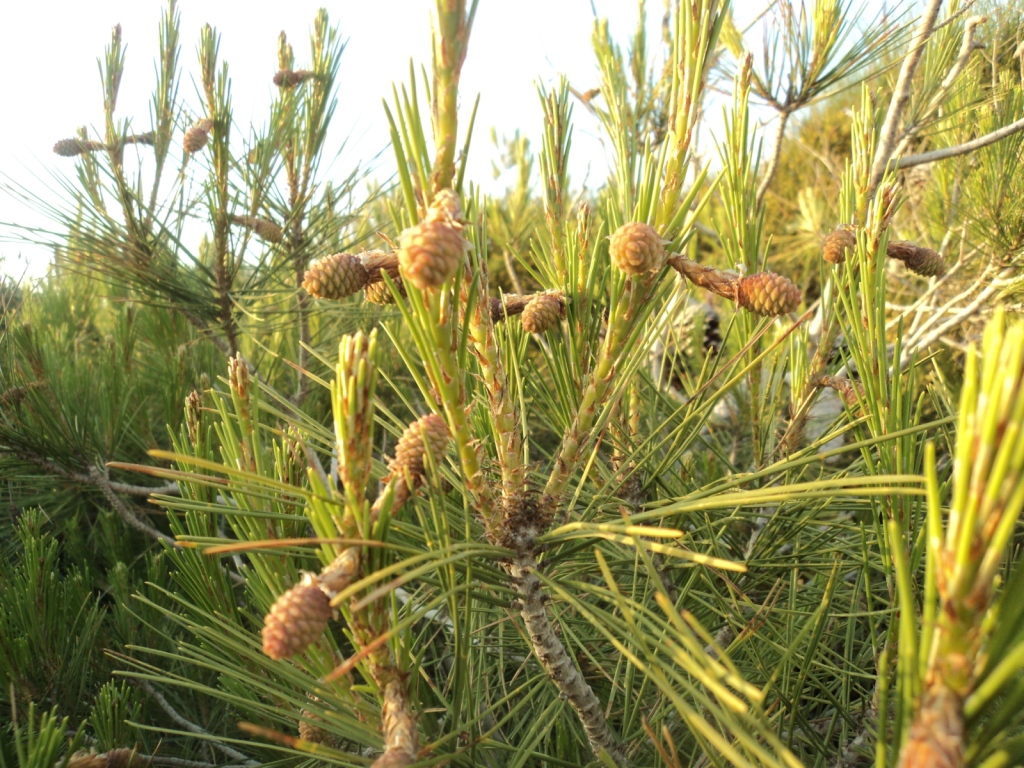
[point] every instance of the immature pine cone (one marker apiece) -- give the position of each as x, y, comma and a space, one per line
838, 244
430, 252
314, 733
542, 313
428, 433
296, 620
266, 229
379, 293
636, 248
287, 78
72, 147
197, 136
767, 293
923, 261
335, 276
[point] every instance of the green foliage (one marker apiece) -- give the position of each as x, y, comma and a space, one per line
642, 545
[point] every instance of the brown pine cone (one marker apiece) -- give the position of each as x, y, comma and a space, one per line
542, 313
446, 205
428, 433
335, 276
636, 248
923, 261
197, 136
379, 293
264, 228
431, 252
287, 78
314, 733
73, 147
767, 293
838, 245
296, 620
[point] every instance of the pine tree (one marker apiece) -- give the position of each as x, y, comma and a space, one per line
658, 506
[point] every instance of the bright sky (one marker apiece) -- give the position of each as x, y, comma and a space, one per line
49, 52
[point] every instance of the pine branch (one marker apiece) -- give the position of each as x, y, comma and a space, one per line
188, 725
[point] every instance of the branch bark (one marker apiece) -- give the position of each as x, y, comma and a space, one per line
556, 662
889, 136
962, 149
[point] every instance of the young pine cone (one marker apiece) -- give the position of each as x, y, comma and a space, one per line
923, 261
287, 78
838, 245
542, 313
314, 733
264, 228
379, 293
428, 433
430, 252
296, 620
636, 248
73, 147
197, 136
335, 276
767, 293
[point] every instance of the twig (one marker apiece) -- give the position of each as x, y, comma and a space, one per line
888, 138
967, 47
962, 149
773, 161
234, 754
167, 489
100, 480
556, 661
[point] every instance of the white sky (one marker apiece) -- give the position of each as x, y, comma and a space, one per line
48, 51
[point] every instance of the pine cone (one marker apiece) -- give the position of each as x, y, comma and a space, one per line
379, 293
296, 620
542, 313
314, 733
264, 228
426, 433
636, 248
767, 293
197, 136
838, 244
287, 78
73, 147
431, 252
335, 276
923, 261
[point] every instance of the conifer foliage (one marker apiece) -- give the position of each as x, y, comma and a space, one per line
662, 505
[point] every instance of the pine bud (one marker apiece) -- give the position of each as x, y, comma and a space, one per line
838, 245
296, 620
115, 758
431, 252
264, 228
636, 248
287, 78
542, 313
446, 205
923, 261
73, 147
335, 276
314, 733
193, 416
428, 433
197, 136
767, 293
379, 293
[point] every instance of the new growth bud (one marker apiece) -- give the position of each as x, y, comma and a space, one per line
636, 248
